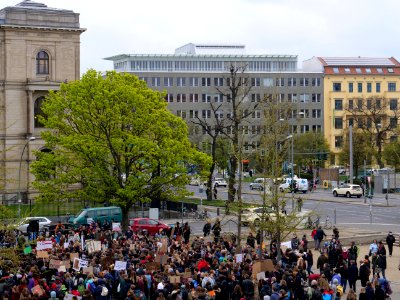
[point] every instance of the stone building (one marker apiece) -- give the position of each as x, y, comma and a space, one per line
39, 49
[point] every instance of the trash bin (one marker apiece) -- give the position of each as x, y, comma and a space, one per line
325, 184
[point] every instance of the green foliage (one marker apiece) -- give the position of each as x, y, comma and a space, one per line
112, 139
391, 154
310, 146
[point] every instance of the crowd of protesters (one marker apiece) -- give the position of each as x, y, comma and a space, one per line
177, 265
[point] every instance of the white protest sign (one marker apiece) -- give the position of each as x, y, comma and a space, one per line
116, 226
239, 257
120, 265
62, 269
66, 245
83, 263
260, 275
43, 245
286, 244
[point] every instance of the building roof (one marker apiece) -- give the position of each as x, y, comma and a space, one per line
28, 4
359, 61
191, 48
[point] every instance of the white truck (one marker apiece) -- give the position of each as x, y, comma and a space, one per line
302, 184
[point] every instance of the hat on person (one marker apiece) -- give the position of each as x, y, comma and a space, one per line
53, 294
160, 286
314, 282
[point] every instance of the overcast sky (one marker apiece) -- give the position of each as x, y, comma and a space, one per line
301, 27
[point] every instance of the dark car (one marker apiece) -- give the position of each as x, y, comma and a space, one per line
150, 225
65, 228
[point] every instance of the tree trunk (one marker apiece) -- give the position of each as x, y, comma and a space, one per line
125, 218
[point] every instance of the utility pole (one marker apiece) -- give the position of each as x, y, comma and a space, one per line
351, 152
365, 181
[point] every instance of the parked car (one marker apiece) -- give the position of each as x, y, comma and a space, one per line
258, 184
65, 228
302, 184
24, 224
220, 182
254, 215
97, 214
150, 225
348, 190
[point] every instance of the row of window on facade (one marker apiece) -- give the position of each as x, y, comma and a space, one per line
337, 87
221, 81
198, 65
359, 70
254, 97
367, 104
255, 129
339, 140
257, 114
365, 122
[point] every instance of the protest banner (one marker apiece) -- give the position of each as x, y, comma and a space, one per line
87, 270
62, 269
174, 279
75, 265
155, 266
44, 245
120, 265
262, 266
72, 256
65, 263
260, 275
83, 263
160, 258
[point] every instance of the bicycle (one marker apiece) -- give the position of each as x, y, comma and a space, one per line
326, 225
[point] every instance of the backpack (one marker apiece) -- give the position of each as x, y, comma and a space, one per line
104, 291
316, 294
339, 289
327, 297
81, 289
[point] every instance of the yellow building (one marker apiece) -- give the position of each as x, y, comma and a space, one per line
358, 91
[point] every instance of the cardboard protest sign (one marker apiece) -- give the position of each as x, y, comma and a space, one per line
262, 266
42, 254
269, 265
116, 227
72, 256
187, 275
43, 245
239, 257
174, 279
38, 290
160, 259
153, 266
54, 264
87, 270
75, 265
260, 275
120, 265
62, 269
65, 263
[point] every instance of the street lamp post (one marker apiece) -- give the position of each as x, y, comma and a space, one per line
32, 138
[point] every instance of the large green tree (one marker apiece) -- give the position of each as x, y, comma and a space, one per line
112, 139
310, 147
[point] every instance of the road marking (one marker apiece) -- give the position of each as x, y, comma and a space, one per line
375, 224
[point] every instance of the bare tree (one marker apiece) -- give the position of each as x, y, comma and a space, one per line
376, 117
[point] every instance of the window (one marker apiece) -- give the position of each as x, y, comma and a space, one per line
393, 104
168, 81
393, 122
280, 81
393, 138
378, 87
255, 97
369, 87
304, 128
378, 104
390, 70
193, 114
268, 82
392, 86
304, 98
256, 81
351, 104
347, 70
292, 97
359, 87
205, 81
338, 104
42, 63
181, 113
304, 81
317, 128
316, 98
316, 81
351, 121
206, 98
338, 123
337, 87
219, 98
291, 81
256, 114
369, 103
193, 81
360, 104
181, 98
316, 113
358, 70
193, 97
360, 123
379, 70
180, 81
304, 113
155, 81
206, 113
336, 70
218, 81
338, 141
169, 98
350, 87
38, 112
368, 70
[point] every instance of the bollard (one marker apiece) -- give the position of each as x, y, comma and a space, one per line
217, 211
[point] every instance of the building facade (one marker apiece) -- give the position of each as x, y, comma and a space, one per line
196, 74
39, 49
358, 91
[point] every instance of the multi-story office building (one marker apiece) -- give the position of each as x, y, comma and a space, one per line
194, 76
39, 49
356, 89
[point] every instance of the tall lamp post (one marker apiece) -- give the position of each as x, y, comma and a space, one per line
30, 139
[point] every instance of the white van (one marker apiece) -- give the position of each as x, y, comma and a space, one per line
258, 184
302, 184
